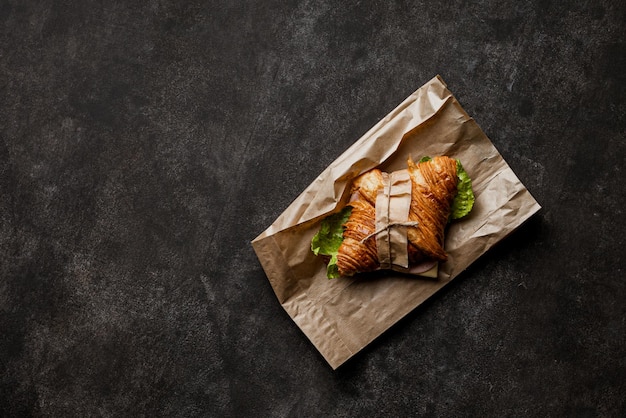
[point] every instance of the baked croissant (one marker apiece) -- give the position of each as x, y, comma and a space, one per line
433, 188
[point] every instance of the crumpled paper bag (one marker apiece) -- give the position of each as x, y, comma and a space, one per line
341, 316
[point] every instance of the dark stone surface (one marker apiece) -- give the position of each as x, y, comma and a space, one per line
144, 144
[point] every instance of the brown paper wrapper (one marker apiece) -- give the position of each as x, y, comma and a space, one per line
341, 316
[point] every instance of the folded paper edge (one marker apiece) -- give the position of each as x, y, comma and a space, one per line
443, 97
293, 307
533, 209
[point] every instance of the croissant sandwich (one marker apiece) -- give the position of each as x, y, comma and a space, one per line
396, 221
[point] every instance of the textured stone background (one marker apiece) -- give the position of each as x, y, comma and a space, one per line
144, 144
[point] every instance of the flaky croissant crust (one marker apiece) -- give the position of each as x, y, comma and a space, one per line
433, 188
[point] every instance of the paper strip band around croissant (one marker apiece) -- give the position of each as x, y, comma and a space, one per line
432, 188
392, 211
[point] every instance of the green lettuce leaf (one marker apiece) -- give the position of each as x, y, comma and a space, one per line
464, 200
329, 238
